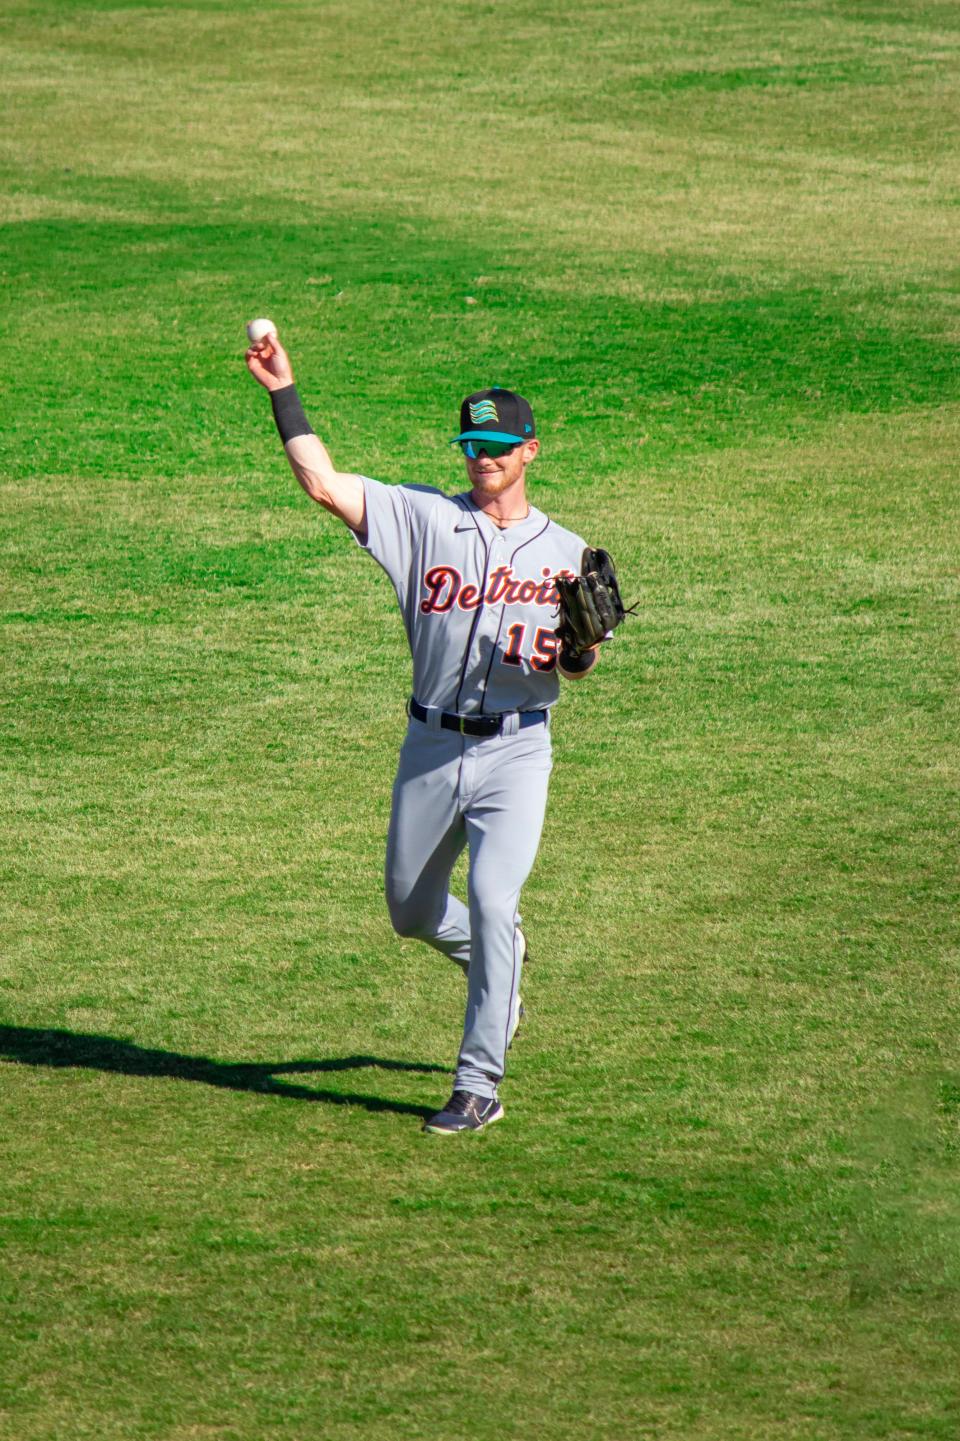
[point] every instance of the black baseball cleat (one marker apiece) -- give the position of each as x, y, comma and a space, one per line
464, 1112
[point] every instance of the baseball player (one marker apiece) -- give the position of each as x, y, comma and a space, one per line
474, 579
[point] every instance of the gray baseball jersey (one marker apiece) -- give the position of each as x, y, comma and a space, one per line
478, 603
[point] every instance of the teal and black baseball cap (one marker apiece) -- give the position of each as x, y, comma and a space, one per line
496, 415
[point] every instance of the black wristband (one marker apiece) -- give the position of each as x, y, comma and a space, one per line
289, 414
576, 665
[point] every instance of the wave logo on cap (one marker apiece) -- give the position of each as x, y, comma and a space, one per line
484, 410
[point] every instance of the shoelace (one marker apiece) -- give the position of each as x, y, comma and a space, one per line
458, 1104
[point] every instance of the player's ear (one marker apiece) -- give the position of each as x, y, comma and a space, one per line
530, 448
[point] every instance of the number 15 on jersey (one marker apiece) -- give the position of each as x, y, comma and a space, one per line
543, 655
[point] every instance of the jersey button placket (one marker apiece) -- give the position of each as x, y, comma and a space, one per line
489, 630
497, 615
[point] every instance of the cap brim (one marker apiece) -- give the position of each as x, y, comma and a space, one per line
489, 435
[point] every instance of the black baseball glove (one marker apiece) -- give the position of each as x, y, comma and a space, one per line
591, 607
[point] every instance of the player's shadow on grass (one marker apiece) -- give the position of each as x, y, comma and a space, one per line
36, 1047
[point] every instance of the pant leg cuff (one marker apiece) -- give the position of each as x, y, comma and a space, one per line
477, 1082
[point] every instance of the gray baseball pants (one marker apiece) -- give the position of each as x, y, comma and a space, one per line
489, 794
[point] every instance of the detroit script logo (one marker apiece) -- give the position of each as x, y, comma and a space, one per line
445, 589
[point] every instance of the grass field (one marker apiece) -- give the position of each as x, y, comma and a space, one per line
715, 243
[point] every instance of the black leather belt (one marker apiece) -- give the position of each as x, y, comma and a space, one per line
476, 725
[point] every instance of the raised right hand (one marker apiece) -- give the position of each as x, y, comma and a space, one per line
268, 362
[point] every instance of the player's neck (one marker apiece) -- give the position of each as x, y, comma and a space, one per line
509, 507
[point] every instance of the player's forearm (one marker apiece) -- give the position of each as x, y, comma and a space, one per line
305, 451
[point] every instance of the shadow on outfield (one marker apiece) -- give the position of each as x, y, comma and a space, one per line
34, 1047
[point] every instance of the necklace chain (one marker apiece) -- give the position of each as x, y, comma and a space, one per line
507, 519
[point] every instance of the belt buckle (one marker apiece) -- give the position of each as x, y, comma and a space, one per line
460, 723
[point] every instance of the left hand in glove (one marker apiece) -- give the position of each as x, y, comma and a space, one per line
591, 606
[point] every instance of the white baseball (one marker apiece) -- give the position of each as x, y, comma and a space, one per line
258, 330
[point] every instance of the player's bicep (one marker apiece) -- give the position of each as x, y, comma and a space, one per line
337, 491
343, 496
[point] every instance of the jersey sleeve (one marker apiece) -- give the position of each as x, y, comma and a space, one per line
395, 516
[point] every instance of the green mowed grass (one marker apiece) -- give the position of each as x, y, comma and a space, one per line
715, 245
